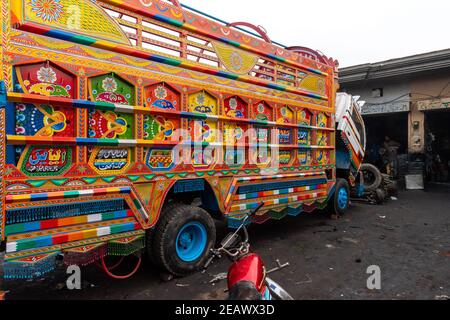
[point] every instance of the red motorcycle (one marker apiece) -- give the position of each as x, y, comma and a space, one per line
247, 277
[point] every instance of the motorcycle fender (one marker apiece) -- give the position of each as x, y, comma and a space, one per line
248, 268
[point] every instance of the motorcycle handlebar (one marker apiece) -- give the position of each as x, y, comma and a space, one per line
215, 253
256, 209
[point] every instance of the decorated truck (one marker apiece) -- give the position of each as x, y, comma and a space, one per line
128, 127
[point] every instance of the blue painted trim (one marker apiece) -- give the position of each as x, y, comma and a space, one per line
189, 185
3, 95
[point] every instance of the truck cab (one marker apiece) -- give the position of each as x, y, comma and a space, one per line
350, 137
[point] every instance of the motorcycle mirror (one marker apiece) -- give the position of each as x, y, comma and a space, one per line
230, 240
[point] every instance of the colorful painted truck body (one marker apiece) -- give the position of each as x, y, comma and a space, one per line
93, 95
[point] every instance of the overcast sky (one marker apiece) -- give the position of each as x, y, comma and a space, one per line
352, 31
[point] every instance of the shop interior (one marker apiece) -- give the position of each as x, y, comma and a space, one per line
437, 145
387, 142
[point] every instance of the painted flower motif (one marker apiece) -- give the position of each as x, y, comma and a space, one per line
20, 130
47, 10
201, 99
21, 107
161, 92
236, 61
109, 85
46, 75
260, 108
233, 103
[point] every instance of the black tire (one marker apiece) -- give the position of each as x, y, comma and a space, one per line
380, 196
165, 237
371, 184
392, 190
150, 235
334, 206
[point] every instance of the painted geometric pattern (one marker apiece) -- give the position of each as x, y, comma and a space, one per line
235, 220
160, 159
81, 16
235, 60
64, 222
49, 240
278, 193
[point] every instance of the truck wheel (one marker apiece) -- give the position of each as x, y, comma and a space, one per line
340, 201
182, 239
380, 196
372, 177
150, 234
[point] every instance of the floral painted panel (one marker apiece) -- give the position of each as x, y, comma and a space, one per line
235, 107
162, 96
262, 111
202, 102
49, 80
111, 88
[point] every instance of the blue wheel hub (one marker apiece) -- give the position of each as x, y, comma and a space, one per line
342, 198
191, 241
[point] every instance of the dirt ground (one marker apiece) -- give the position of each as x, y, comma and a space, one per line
408, 239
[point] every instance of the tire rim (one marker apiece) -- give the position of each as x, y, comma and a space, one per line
191, 241
342, 198
369, 178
